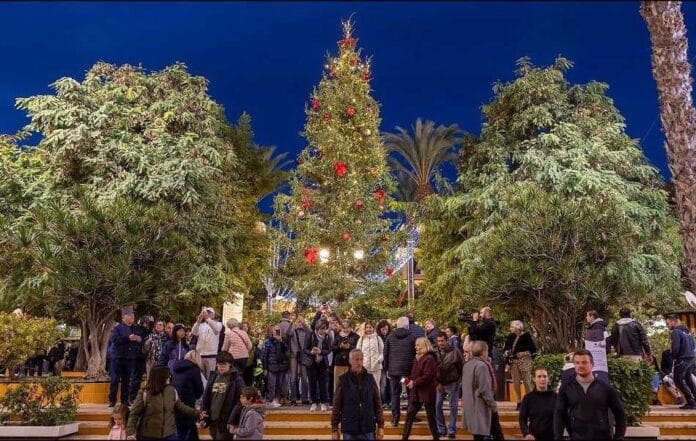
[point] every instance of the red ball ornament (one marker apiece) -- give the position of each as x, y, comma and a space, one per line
341, 168
315, 104
366, 76
389, 271
345, 236
359, 204
310, 255
350, 111
384, 238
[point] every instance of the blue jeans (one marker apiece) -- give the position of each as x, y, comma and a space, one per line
451, 391
359, 436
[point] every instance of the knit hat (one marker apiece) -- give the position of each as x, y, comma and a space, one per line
127, 310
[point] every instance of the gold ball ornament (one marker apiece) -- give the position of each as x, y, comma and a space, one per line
368, 132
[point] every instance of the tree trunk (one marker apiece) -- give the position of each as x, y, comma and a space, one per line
422, 191
672, 72
95, 336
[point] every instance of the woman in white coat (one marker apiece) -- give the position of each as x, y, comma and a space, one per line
373, 351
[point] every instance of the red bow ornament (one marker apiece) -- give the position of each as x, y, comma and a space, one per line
310, 255
341, 168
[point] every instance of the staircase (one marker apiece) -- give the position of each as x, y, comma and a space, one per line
298, 423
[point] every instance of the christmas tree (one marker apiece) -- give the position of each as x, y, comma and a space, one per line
338, 209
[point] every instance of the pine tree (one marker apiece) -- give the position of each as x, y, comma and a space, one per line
340, 191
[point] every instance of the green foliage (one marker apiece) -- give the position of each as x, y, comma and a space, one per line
336, 211
631, 379
557, 212
24, 337
553, 363
45, 401
138, 192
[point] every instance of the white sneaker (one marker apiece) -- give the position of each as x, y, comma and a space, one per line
313, 408
275, 403
324, 407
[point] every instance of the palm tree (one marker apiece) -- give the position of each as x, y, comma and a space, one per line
418, 155
273, 171
672, 72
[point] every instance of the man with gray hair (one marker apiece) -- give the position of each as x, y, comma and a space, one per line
357, 405
399, 352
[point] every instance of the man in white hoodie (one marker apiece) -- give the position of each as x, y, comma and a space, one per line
207, 331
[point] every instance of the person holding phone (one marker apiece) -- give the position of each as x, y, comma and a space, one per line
275, 365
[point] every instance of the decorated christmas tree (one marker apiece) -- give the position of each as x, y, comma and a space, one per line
339, 207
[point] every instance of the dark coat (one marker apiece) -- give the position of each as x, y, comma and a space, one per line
399, 351
536, 414
628, 338
483, 330
275, 355
423, 377
357, 404
123, 346
524, 344
450, 363
682, 343
311, 341
586, 414
432, 336
340, 357
172, 352
416, 330
187, 381
231, 397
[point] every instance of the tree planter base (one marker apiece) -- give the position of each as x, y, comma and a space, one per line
43, 432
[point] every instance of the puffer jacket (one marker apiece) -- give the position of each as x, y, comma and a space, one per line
156, 414
275, 355
187, 381
399, 351
251, 422
373, 352
628, 337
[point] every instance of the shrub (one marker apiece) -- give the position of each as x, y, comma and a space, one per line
24, 337
47, 401
632, 380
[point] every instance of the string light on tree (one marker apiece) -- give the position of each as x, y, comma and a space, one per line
359, 254
324, 255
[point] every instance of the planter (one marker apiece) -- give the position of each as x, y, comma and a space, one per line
642, 433
51, 432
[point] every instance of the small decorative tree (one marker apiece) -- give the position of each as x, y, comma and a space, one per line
24, 337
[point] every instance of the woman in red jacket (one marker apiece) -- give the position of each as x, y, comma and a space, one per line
423, 387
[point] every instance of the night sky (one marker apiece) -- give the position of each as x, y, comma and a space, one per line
431, 60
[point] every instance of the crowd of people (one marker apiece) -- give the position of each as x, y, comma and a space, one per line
215, 376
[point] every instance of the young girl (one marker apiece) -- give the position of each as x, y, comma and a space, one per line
117, 425
253, 412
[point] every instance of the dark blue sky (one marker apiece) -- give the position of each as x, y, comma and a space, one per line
430, 60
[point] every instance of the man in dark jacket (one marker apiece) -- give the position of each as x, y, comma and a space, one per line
482, 327
221, 396
357, 405
628, 337
126, 348
432, 331
583, 404
275, 365
413, 328
682, 349
142, 330
450, 364
298, 333
399, 352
